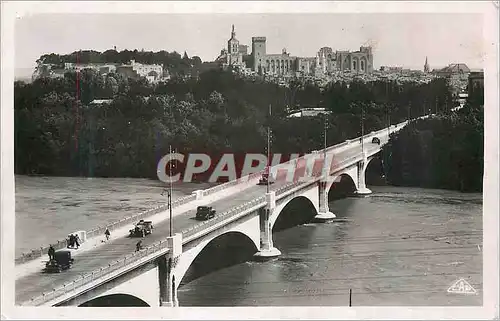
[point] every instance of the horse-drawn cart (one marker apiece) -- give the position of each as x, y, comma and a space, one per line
60, 261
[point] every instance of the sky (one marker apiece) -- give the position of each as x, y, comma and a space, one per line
398, 39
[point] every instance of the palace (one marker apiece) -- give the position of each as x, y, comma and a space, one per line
324, 63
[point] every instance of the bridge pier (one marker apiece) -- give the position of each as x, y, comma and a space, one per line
324, 213
166, 265
362, 190
267, 249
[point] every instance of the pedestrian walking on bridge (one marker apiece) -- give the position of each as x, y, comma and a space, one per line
51, 252
138, 246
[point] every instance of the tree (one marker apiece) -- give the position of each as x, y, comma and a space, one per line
112, 87
57, 131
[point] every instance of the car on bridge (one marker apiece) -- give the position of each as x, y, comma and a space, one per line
265, 179
376, 140
141, 229
61, 260
204, 213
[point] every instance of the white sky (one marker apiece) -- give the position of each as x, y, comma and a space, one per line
398, 39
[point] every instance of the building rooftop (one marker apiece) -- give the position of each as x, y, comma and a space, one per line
455, 68
101, 101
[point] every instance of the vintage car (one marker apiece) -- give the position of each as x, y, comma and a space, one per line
204, 213
141, 229
376, 140
265, 178
61, 261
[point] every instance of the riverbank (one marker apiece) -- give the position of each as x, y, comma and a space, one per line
445, 152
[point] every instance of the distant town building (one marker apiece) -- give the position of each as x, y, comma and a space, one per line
476, 82
153, 73
102, 68
459, 69
457, 75
99, 102
308, 112
391, 69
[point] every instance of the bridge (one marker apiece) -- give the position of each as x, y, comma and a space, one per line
107, 271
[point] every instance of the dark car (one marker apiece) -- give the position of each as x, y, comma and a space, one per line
204, 213
62, 261
376, 140
265, 179
141, 229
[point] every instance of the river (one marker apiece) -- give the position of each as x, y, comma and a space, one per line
400, 246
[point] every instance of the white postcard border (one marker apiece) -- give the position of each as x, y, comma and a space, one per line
11, 10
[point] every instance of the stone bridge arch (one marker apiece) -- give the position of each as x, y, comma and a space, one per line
247, 231
349, 174
139, 287
376, 160
117, 300
311, 196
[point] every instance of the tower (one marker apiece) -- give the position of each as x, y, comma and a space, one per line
233, 50
367, 50
233, 43
258, 52
426, 66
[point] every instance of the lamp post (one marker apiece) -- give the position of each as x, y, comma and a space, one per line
388, 108
409, 112
362, 130
325, 128
169, 191
268, 149
388, 121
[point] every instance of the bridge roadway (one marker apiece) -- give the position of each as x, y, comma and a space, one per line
34, 284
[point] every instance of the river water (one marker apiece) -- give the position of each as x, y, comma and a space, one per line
400, 246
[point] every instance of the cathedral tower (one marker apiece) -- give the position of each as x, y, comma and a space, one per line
426, 66
234, 57
233, 43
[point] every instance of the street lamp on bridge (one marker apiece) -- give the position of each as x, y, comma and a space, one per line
169, 191
268, 149
362, 129
325, 129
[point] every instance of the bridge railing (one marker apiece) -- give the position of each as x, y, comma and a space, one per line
203, 226
258, 174
317, 174
134, 218
59, 244
220, 187
255, 175
97, 274
134, 257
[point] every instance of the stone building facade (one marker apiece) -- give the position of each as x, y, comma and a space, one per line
325, 62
